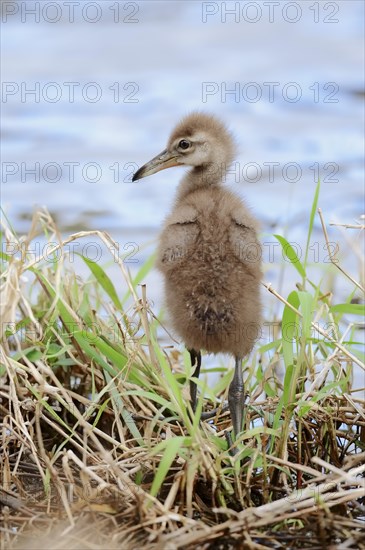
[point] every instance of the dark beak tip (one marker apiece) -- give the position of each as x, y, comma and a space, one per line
137, 175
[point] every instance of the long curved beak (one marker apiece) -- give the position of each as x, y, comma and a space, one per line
166, 159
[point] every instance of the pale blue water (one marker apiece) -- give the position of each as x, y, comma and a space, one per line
165, 64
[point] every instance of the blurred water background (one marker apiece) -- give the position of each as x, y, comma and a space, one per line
91, 91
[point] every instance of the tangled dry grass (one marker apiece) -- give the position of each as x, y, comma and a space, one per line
100, 449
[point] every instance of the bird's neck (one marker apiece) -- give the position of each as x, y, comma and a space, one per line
201, 176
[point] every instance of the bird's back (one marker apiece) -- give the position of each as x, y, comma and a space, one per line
211, 260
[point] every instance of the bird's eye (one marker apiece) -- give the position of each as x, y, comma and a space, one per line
184, 144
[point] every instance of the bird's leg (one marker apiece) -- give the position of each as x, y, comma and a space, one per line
196, 361
236, 397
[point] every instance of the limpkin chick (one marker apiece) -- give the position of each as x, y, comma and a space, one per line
209, 253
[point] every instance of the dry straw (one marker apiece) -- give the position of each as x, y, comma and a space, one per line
99, 448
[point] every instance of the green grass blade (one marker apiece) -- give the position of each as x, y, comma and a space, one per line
125, 414
151, 397
291, 255
353, 309
306, 307
104, 281
87, 346
170, 449
290, 328
311, 221
145, 269
5, 257
141, 275
92, 354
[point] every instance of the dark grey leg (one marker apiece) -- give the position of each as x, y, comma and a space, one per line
236, 397
196, 361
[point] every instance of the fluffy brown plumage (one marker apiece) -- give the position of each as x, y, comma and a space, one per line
208, 251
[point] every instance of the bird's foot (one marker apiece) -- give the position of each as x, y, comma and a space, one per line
211, 414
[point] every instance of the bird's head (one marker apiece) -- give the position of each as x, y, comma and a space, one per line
199, 140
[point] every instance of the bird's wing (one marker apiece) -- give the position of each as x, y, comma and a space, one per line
244, 241
178, 237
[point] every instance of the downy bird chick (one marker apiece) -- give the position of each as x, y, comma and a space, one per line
209, 253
